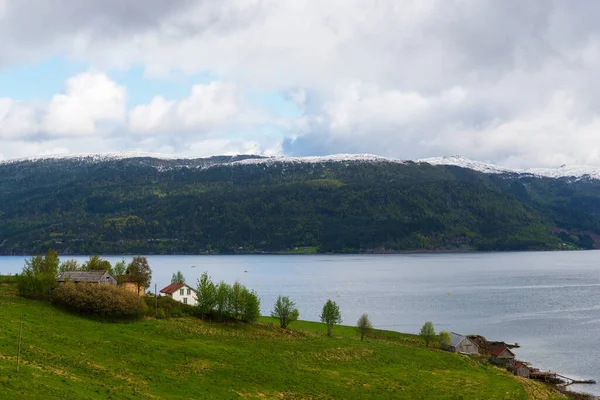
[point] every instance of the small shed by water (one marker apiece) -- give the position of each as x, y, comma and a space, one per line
462, 344
503, 356
521, 369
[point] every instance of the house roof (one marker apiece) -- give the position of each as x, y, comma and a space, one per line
172, 288
520, 364
499, 350
84, 276
457, 339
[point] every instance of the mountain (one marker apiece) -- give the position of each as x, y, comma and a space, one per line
146, 203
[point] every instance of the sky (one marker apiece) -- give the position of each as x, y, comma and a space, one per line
509, 82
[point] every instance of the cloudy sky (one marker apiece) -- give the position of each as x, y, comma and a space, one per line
511, 82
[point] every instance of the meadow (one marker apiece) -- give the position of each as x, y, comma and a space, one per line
69, 357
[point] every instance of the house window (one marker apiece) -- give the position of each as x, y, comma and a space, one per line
185, 300
181, 292
189, 291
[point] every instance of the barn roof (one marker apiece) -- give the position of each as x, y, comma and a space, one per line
172, 288
499, 350
456, 339
83, 276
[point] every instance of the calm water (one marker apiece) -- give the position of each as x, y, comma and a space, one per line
547, 302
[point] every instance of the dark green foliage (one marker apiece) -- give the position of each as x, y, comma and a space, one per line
152, 206
331, 315
105, 301
39, 276
169, 308
285, 310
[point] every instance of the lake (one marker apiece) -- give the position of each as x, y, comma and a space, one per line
548, 302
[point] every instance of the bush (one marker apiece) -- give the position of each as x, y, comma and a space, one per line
285, 310
169, 308
104, 301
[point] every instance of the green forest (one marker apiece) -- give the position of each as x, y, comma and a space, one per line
210, 206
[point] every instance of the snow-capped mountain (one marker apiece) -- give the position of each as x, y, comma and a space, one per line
169, 161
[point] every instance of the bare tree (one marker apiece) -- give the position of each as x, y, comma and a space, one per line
364, 325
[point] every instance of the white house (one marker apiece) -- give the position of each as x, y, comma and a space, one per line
181, 292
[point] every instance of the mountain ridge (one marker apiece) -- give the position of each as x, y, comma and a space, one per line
564, 171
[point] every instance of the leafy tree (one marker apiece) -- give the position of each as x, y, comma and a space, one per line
445, 339
120, 268
221, 298
250, 305
427, 333
178, 278
69, 265
97, 263
139, 272
39, 275
331, 315
234, 300
364, 325
285, 310
206, 295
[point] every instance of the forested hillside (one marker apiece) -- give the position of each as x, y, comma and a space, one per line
148, 205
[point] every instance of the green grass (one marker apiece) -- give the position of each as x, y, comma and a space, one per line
68, 357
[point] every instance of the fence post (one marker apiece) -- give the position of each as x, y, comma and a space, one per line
155, 302
20, 336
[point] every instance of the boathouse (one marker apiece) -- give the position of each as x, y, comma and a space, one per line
462, 344
521, 369
503, 356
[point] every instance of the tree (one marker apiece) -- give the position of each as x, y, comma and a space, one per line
427, 333
120, 268
445, 339
221, 298
285, 310
69, 265
331, 315
234, 300
364, 325
206, 295
39, 275
139, 272
97, 263
250, 305
178, 278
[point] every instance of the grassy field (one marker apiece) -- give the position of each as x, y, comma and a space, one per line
68, 357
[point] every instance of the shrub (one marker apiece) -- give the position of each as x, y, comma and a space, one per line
169, 308
445, 339
104, 301
39, 275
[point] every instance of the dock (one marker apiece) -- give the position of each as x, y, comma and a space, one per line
553, 377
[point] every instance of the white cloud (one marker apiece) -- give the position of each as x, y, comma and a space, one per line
89, 100
208, 106
506, 81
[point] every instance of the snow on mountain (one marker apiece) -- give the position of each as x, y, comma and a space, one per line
370, 158
565, 171
462, 162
